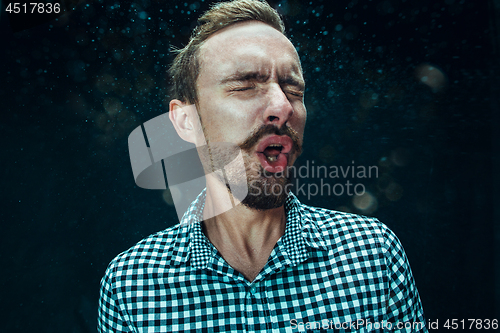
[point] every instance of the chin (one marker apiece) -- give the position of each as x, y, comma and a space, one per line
266, 190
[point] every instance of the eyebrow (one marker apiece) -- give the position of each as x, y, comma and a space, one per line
245, 76
291, 80
256, 76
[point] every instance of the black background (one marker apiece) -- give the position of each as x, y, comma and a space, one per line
72, 89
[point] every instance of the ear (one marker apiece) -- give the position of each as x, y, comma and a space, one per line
185, 119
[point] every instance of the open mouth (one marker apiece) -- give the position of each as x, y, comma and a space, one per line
273, 152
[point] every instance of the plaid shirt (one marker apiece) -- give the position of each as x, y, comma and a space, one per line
330, 270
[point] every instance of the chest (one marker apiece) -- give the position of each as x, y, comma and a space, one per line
318, 291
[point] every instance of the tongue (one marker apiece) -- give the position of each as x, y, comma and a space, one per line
276, 166
272, 151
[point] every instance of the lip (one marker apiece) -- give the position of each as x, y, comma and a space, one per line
285, 141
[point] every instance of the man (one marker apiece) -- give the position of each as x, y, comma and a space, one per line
268, 263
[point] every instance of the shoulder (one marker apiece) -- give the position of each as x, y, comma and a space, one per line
157, 251
334, 221
346, 228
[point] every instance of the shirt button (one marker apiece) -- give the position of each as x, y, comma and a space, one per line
253, 289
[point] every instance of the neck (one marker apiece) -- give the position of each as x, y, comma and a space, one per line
245, 237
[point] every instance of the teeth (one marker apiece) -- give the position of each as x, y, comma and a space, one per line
272, 158
275, 145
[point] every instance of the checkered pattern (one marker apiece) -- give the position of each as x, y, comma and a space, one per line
329, 268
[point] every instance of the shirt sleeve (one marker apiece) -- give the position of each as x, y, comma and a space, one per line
404, 308
110, 316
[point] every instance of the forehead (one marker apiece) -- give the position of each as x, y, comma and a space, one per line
250, 45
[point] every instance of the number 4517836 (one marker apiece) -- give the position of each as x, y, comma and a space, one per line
479, 324
33, 7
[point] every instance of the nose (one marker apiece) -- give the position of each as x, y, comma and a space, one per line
279, 110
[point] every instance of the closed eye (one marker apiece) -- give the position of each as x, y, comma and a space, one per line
296, 93
242, 89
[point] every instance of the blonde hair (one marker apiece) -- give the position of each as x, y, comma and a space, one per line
186, 66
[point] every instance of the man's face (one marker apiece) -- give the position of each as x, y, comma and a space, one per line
250, 93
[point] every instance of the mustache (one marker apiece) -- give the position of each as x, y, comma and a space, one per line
260, 132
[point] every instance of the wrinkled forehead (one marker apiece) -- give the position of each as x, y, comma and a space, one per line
248, 44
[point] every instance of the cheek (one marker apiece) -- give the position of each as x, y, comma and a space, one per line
227, 124
239, 118
299, 119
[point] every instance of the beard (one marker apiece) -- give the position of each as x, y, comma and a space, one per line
264, 190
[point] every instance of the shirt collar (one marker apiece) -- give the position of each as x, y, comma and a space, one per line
301, 233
